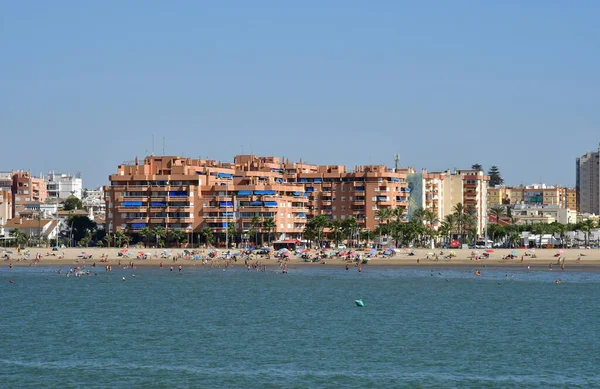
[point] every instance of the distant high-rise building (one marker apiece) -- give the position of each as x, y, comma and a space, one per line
588, 182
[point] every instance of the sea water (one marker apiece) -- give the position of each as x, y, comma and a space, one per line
209, 328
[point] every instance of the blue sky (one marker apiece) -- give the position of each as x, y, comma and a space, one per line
85, 85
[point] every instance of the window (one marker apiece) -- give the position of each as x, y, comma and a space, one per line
333, 208
343, 198
374, 198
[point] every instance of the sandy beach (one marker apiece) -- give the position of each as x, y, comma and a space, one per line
69, 257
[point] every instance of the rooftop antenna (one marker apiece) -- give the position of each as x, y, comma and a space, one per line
251, 152
396, 160
163, 146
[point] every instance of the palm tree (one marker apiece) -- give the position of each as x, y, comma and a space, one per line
459, 212
336, 231
430, 218
159, 234
448, 226
208, 236
20, 237
270, 225
145, 233
497, 211
231, 231
318, 223
255, 223
367, 236
587, 226
384, 215
177, 236
120, 238
350, 227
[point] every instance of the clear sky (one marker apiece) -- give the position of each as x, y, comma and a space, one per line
84, 85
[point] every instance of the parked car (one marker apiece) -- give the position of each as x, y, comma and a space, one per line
341, 246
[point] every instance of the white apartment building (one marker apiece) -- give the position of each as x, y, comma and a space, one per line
63, 185
532, 214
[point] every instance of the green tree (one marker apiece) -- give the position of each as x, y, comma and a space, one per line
384, 215
72, 203
498, 212
335, 231
270, 225
255, 225
207, 235
430, 218
318, 224
476, 166
159, 234
231, 231
19, 237
495, 177
120, 238
80, 226
350, 228
177, 236
145, 233
587, 226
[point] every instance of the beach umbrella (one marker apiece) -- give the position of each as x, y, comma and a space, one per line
306, 251
430, 253
475, 251
387, 252
372, 252
560, 251
514, 252
394, 249
489, 251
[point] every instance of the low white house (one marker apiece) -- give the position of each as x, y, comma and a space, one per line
45, 228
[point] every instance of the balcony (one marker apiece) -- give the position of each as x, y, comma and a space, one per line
137, 220
180, 209
158, 220
173, 220
123, 209
326, 202
224, 198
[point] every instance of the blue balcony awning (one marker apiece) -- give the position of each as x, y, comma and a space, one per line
226, 204
299, 194
318, 180
310, 189
256, 203
132, 203
226, 214
138, 225
178, 193
304, 180
224, 175
302, 214
158, 204
270, 203
395, 179
244, 193
264, 192
360, 188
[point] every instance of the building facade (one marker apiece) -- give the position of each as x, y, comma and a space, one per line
442, 191
6, 208
588, 183
62, 186
28, 191
534, 195
193, 194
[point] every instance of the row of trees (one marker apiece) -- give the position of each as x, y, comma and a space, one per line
511, 232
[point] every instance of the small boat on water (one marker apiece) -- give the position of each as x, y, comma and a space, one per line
359, 303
